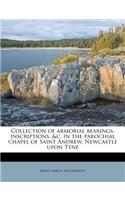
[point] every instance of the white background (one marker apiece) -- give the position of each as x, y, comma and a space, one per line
62, 9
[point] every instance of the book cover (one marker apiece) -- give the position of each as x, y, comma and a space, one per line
62, 89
